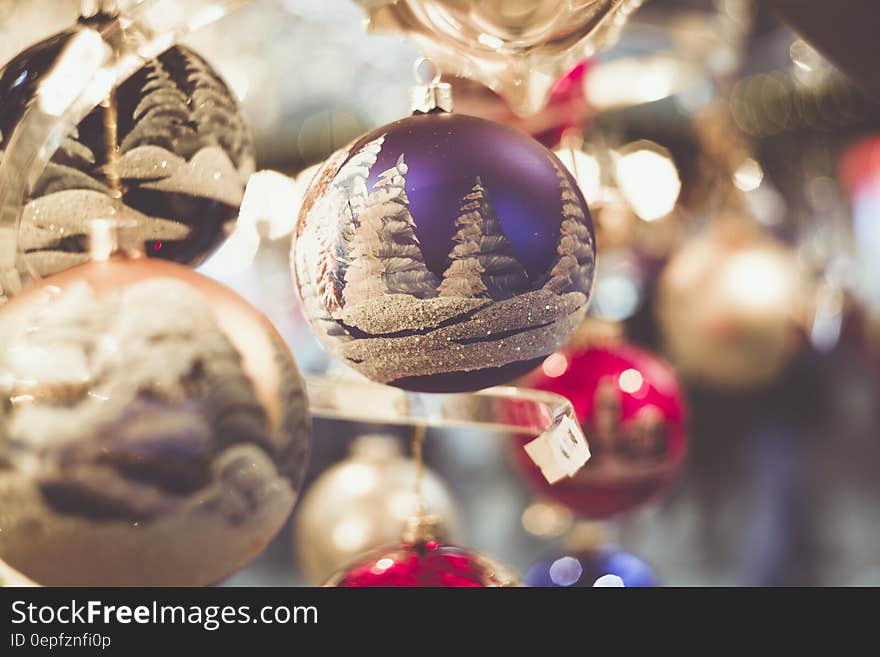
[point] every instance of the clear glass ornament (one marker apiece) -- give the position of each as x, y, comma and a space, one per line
100, 120
518, 49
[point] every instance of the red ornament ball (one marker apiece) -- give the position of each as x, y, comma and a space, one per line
860, 164
425, 564
632, 409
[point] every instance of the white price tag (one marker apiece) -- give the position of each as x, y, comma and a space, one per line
559, 452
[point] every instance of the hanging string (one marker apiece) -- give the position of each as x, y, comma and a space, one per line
422, 526
108, 8
420, 431
111, 128
572, 141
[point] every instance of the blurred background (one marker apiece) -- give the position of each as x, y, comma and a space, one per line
712, 143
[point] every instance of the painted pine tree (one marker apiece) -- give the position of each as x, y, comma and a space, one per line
481, 249
313, 307
573, 268
215, 110
365, 275
352, 177
162, 117
308, 248
75, 154
464, 276
73, 166
401, 252
386, 255
335, 223
505, 276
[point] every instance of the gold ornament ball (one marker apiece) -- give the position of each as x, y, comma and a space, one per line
731, 306
153, 428
363, 503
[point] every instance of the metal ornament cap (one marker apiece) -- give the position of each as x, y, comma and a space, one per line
429, 93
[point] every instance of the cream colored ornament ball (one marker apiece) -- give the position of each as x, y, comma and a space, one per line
153, 428
731, 304
363, 503
11, 577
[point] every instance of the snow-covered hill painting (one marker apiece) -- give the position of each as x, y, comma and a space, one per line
367, 288
181, 158
145, 438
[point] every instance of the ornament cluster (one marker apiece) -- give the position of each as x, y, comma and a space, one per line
153, 425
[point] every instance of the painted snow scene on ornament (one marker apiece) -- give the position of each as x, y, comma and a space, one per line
150, 435
444, 253
170, 149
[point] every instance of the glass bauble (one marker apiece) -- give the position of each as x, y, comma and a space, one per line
153, 428
731, 305
170, 149
362, 504
444, 253
632, 410
519, 49
583, 569
425, 564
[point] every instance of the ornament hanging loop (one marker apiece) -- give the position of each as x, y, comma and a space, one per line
429, 94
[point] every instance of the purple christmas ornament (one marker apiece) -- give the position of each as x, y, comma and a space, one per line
444, 253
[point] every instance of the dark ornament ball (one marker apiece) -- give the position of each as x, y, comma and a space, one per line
444, 253
178, 150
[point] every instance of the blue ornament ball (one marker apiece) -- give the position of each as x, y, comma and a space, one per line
585, 568
444, 253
